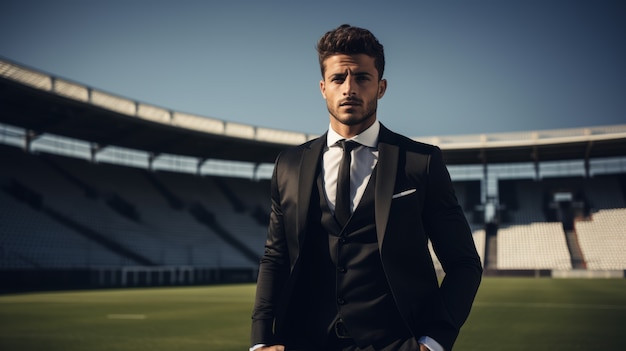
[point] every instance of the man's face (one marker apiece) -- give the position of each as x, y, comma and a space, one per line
351, 89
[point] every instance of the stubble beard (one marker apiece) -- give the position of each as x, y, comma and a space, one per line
353, 120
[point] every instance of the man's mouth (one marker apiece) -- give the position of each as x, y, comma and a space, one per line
350, 103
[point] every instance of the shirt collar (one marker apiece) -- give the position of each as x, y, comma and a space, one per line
368, 137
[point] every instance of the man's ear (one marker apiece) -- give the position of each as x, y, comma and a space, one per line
323, 88
382, 87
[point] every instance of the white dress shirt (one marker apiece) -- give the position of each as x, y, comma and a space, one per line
364, 159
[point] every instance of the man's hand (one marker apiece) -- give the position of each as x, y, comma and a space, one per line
424, 348
278, 348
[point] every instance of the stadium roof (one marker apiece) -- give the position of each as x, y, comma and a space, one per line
43, 103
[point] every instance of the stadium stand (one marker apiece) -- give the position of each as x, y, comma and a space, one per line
122, 205
603, 239
538, 245
64, 213
75, 213
560, 223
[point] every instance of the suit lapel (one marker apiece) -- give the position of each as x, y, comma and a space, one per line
309, 164
385, 180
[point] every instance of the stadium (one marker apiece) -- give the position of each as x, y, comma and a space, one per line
99, 191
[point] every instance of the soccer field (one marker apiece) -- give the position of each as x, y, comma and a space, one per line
509, 314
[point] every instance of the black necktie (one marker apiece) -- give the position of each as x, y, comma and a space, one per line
343, 200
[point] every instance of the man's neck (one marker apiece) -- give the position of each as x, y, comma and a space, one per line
350, 131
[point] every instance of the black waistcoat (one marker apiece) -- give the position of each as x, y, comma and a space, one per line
342, 275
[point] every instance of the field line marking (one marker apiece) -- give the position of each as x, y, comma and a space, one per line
550, 305
126, 316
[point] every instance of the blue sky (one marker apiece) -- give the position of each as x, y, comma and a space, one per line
453, 67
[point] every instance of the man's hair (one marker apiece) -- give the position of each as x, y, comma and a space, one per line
350, 40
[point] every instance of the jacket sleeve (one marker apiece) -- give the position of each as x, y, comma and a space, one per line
449, 232
273, 270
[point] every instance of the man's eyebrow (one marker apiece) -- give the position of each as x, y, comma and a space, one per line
338, 74
344, 74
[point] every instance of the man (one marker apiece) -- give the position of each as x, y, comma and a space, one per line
347, 267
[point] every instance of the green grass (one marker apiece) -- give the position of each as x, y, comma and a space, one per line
509, 314
547, 314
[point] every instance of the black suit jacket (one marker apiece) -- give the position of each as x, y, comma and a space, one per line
414, 202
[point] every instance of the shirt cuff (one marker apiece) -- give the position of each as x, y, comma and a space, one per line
256, 347
430, 343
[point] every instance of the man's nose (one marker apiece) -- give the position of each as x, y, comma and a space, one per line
349, 86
